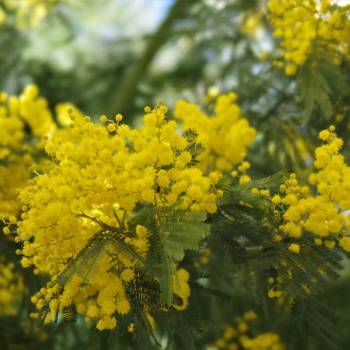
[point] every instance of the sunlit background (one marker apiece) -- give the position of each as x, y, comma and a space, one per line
93, 45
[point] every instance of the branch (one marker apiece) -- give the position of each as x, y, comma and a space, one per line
122, 100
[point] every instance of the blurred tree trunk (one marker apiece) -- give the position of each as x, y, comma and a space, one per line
122, 100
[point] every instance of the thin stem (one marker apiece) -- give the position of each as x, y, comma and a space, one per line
102, 224
120, 223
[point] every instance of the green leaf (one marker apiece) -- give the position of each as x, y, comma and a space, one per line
179, 231
310, 316
194, 147
179, 236
321, 84
236, 193
84, 261
128, 250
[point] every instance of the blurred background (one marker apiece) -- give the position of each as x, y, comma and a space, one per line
116, 56
111, 56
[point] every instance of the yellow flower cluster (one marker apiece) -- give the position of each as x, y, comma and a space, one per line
241, 173
29, 13
225, 136
323, 214
11, 289
309, 26
22, 118
102, 172
240, 337
64, 111
19, 116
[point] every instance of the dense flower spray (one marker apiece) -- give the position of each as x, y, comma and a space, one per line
308, 27
24, 122
102, 174
323, 214
225, 136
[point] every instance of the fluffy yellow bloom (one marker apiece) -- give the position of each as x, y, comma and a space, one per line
25, 122
19, 115
308, 27
23, 119
127, 275
294, 248
225, 136
321, 213
64, 112
87, 198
